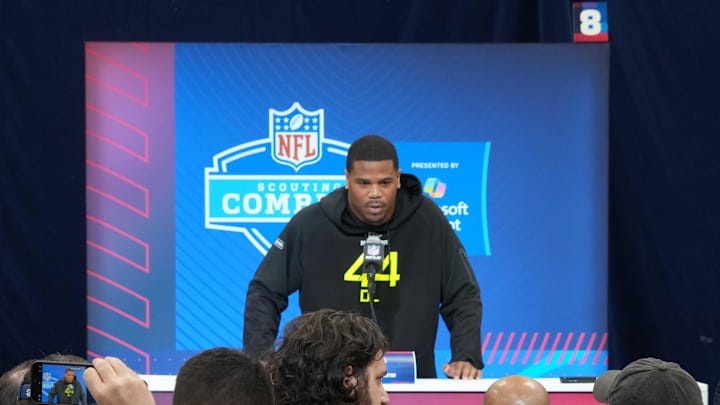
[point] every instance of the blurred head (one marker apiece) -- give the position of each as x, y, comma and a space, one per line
516, 390
330, 357
372, 178
648, 381
12, 380
222, 376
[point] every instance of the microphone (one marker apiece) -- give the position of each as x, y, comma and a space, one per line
373, 254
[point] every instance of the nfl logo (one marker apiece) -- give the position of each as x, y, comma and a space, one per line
373, 250
296, 136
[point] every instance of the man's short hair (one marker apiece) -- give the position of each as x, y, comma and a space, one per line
12, 380
648, 381
222, 376
311, 363
372, 148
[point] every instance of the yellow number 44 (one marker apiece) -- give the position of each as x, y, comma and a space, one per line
355, 274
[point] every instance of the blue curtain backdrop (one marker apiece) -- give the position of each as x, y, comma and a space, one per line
664, 230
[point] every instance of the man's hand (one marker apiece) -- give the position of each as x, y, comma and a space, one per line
111, 382
461, 370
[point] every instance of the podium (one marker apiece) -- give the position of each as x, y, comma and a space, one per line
471, 392
430, 391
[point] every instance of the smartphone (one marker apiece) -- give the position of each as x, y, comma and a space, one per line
59, 382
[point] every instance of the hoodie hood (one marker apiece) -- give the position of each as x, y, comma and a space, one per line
408, 200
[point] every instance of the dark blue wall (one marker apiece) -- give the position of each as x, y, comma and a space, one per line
664, 137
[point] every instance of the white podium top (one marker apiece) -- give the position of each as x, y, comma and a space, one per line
481, 385
166, 383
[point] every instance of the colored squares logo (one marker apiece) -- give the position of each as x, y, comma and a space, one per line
434, 187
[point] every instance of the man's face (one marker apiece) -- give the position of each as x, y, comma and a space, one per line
375, 393
372, 188
69, 376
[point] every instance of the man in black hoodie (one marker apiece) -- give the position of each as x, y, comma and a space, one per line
424, 271
68, 390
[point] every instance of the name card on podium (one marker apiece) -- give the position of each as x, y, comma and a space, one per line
401, 367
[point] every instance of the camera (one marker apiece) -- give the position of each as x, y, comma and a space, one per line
59, 382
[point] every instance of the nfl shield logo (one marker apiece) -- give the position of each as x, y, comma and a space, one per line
373, 250
296, 136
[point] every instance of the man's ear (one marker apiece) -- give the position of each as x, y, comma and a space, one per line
398, 179
349, 381
347, 179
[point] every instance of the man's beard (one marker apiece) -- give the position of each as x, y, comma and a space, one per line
363, 396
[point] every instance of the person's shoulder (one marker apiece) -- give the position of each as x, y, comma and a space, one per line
312, 209
432, 216
427, 206
309, 213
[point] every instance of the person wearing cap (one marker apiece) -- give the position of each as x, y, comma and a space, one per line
648, 381
516, 390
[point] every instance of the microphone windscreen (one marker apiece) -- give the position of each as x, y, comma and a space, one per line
603, 384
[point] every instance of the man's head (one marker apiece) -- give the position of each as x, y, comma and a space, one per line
372, 178
648, 381
330, 357
11, 382
516, 390
222, 376
69, 375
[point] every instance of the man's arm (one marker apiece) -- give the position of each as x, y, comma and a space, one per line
462, 312
262, 319
52, 394
83, 395
267, 296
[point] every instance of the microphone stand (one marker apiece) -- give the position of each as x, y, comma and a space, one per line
373, 253
370, 271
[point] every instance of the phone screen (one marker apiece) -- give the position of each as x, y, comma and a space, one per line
59, 383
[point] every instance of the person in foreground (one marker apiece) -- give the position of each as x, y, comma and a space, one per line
15, 384
648, 381
424, 273
330, 357
222, 376
516, 390
112, 382
67, 390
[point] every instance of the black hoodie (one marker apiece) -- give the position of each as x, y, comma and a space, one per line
319, 253
67, 393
